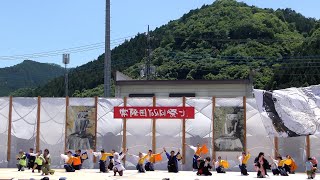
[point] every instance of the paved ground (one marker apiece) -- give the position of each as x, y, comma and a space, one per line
88, 174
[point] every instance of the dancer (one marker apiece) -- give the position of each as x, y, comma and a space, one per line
79, 159
204, 167
46, 169
314, 162
261, 165
22, 161
118, 167
111, 160
102, 162
221, 165
315, 166
196, 156
31, 158
243, 159
69, 159
151, 159
140, 159
310, 169
290, 165
38, 162
172, 161
278, 166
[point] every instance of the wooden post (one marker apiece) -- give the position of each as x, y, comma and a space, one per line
66, 124
183, 134
154, 146
245, 123
213, 109
308, 146
276, 147
95, 126
9, 129
38, 125
124, 130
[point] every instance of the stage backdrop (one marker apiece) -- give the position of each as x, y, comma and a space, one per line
81, 127
229, 129
41, 122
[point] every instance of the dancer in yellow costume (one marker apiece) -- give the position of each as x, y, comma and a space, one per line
103, 158
243, 159
221, 165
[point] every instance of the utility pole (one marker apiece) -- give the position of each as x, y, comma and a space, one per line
148, 68
65, 61
107, 54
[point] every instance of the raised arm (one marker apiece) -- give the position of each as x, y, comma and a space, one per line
178, 152
32, 154
64, 157
96, 154
192, 147
132, 158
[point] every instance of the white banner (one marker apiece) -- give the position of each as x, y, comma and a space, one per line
290, 112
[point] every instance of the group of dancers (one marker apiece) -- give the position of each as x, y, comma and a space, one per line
278, 166
40, 161
283, 166
145, 162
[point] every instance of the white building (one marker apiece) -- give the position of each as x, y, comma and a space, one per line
126, 87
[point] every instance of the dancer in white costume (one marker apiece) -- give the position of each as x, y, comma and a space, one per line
118, 167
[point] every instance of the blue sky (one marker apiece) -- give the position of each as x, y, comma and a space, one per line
35, 26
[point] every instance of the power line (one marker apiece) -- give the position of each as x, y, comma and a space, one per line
55, 54
78, 49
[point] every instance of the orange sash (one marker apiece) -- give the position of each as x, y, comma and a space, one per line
204, 149
157, 157
76, 161
293, 166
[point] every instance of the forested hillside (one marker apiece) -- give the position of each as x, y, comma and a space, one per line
28, 74
225, 40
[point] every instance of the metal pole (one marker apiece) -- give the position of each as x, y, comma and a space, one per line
66, 60
148, 59
66, 80
107, 54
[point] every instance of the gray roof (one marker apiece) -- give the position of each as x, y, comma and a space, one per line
174, 82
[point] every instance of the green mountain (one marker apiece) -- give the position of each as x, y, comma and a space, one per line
225, 40
28, 74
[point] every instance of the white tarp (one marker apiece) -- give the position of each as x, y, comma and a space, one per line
291, 103
290, 112
4, 112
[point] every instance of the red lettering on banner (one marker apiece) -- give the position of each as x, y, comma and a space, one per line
154, 112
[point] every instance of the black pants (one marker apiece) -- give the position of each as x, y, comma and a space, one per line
204, 171
140, 168
243, 169
149, 166
69, 168
30, 164
77, 167
20, 167
195, 162
38, 167
110, 166
275, 171
259, 175
102, 166
279, 171
220, 170
172, 168
287, 168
